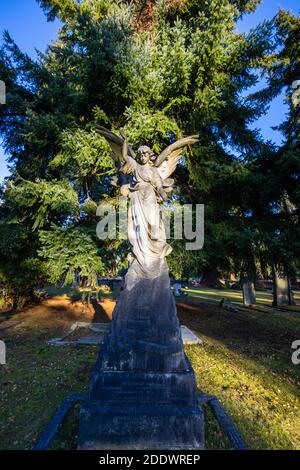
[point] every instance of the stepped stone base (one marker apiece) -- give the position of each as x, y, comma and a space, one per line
140, 427
138, 410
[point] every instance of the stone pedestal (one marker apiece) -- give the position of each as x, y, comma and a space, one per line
143, 389
142, 411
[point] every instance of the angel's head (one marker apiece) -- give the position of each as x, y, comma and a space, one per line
144, 154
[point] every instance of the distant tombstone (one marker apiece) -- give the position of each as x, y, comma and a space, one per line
177, 289
2, 92
227, 305
281, 290
2, 353
249, 296
291, 297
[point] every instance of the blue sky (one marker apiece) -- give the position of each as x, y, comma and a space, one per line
28, 26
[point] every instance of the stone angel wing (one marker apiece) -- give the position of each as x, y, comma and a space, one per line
167, 161
122, 154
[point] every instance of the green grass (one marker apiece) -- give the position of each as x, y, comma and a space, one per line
245, 361
263, 404
34, 383
235, 295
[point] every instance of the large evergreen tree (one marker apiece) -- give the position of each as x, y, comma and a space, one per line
157, 70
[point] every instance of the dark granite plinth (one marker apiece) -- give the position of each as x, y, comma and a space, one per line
136, 388
140, 427
143, 388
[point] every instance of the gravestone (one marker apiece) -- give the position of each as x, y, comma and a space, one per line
2, 92
249, 297
227, 305
282, 294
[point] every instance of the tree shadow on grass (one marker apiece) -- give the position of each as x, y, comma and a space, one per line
252, 328
248, 335
246, 362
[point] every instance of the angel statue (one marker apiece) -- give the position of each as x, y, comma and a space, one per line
143, 392
148, 186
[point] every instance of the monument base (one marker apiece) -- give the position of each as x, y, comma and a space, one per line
143, 392
138, 410
110, 427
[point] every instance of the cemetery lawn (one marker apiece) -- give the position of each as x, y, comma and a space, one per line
264, 297
245, 360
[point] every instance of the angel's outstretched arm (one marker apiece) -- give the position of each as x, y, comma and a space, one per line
130, 164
